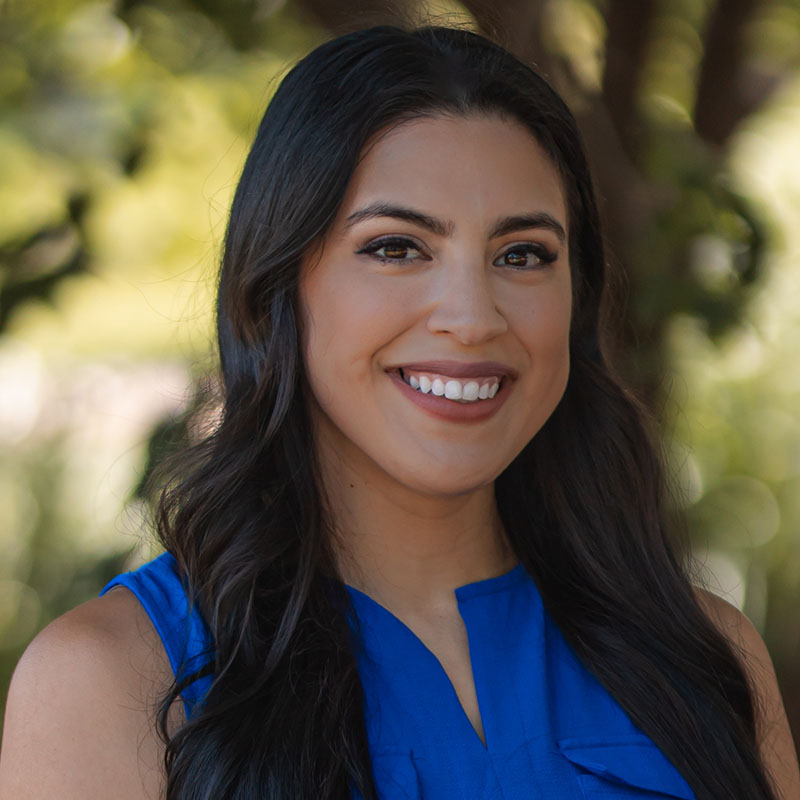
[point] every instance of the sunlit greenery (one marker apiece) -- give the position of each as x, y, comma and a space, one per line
122, 131
120, 145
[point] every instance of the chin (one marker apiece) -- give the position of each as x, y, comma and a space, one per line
445, 480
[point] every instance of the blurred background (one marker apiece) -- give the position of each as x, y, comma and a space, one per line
123, 127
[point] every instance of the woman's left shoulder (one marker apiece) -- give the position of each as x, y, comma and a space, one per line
776, 744
735, 625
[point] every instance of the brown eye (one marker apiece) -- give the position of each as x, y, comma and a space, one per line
515, 258
394, 250
525, 256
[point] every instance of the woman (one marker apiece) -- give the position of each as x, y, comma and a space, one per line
424, 550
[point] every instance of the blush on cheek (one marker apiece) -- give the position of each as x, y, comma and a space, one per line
559, 374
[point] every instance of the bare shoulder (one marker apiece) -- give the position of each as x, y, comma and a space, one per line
80, 716
775, 738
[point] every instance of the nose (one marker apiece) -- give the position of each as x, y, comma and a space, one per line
465, 305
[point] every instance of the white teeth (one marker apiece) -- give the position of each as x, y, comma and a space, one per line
471, 391
452, 390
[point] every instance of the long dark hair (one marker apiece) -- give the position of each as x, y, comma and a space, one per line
583, 504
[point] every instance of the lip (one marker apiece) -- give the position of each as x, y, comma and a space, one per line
460, 369
442, 408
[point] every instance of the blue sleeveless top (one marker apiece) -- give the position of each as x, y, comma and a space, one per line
552, 731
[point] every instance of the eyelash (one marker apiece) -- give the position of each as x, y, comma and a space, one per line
396, 241
544, 255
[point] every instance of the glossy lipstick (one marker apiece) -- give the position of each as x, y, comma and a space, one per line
461, 369
450, 410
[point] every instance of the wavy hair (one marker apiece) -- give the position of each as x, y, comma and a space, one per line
583, 504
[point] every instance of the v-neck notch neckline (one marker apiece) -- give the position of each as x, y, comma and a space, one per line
464, 594
484, 586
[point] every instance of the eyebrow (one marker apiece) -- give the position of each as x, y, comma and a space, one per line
374, 210
502, 226
521, 222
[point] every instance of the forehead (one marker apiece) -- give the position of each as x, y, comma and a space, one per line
458, 167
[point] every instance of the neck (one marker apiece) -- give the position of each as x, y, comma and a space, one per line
409, 550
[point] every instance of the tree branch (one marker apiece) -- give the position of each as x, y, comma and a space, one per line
628, 25
720, 103
516, 24
340, 16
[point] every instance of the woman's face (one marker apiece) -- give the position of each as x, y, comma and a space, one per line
436, 313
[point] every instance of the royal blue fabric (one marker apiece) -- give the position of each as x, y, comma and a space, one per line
158, 587
552, 731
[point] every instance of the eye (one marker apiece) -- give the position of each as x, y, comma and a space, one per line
393, 249
526, 255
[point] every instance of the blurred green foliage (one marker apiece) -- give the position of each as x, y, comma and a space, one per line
122, 130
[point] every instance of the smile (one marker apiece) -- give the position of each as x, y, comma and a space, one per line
471, 390
455, 392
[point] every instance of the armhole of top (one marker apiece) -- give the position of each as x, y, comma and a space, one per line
158, 587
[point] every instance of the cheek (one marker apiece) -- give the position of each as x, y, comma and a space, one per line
541, 322
541, 319
549, 344
346, 320
552, 331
